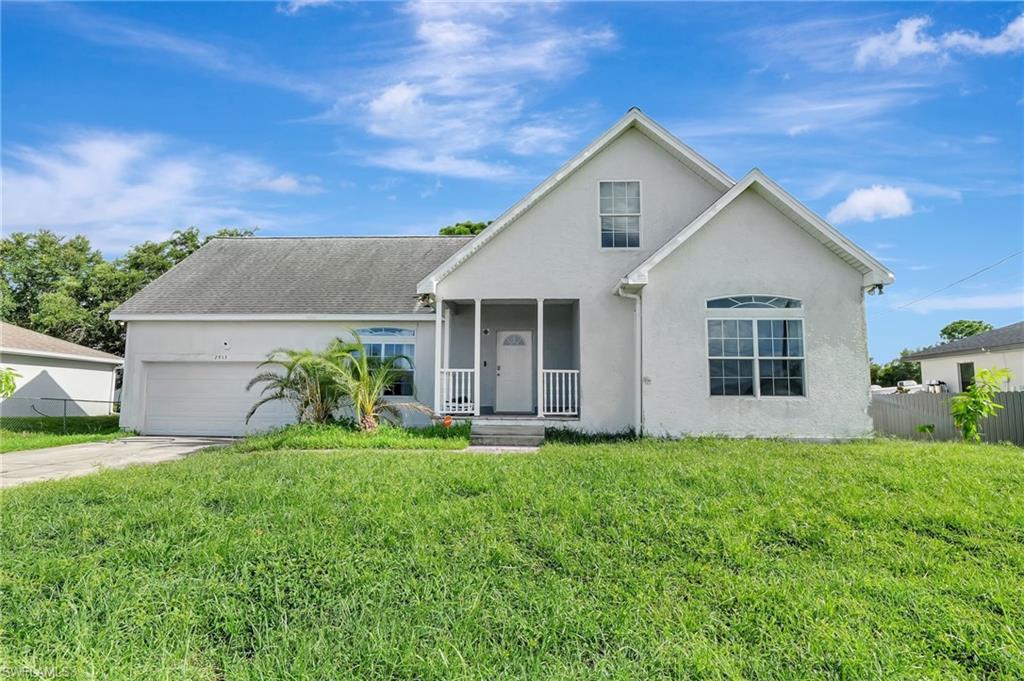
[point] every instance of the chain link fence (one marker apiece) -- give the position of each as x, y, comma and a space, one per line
58, 415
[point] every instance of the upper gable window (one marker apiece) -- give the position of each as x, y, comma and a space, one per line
620, 215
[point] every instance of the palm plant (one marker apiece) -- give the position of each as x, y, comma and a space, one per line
305, 379
366, 379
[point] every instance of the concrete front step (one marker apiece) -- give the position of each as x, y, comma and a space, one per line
506, 435
506, 440
506, 429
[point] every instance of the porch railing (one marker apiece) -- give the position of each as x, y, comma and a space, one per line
561, 392
457, 391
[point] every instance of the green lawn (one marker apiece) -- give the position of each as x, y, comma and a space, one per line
701, 558
34, 432
313, 436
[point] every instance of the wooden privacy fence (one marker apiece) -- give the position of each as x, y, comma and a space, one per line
900, 415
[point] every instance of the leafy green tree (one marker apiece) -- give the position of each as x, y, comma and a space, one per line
963, 328
7, 384
464, 228
890, 373
65, 288
978, 402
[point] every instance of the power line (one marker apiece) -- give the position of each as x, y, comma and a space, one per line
960, 281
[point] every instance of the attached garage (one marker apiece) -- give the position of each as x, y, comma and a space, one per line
206, 398
197, 335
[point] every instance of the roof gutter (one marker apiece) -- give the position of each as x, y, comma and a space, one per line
60, 355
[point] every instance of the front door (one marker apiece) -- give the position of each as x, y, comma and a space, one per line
514, 372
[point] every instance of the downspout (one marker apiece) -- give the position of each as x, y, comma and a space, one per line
638, 357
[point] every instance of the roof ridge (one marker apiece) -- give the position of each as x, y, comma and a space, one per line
342, 236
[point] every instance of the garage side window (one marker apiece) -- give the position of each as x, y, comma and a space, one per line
407, 352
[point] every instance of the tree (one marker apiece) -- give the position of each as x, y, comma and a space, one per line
467, 227
366, 379
319, 384
305, 380
7, 384
65, 288
963, 328
977, 402
890, 373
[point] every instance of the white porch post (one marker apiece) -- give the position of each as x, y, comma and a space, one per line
438, 341
478, 306
447, 362
540, 357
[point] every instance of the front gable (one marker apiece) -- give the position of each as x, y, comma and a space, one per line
677, 183
874, 274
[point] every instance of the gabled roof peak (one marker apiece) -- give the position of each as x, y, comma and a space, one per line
633, 119
874, 273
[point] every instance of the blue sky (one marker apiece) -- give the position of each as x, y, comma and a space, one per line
901, 123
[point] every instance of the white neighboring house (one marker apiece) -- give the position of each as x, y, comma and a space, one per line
55, 374
637, 287
956, 362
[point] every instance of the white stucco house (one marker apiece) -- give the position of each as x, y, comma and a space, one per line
638, 287
54, 375
954, 364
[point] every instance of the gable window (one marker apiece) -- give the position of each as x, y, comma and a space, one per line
620, 214
770, 364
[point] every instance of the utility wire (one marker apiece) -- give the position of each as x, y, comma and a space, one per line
960, 281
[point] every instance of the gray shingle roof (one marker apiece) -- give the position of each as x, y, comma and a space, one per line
308, 275
990, 340
14, 338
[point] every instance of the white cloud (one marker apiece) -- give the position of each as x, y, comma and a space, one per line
118, 189
413, 160
458, 94
873, 203
988, 301
795, 130
293, 7
910, 39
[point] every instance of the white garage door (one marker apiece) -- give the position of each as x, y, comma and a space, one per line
206, 398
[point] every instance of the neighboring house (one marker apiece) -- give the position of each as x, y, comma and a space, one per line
657, 293
956, 362
56, 374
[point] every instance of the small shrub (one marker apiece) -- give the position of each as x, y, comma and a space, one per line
977, 402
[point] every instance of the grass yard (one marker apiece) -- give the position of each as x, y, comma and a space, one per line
18, 433
701, 558
309, 436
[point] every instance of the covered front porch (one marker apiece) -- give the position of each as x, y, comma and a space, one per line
507, 358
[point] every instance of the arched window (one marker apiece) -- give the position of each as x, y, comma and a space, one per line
514, 339
738, 302
385, 331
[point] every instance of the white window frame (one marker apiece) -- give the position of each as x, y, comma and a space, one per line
639, 218
756, 357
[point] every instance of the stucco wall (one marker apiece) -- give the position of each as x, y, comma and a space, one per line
217, 341
751, 248
946, 369
553, 251
58, 378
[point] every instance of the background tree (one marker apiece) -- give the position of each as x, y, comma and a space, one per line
889, 374
464, 228
962, 328
63, 287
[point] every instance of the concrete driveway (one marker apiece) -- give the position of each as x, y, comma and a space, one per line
53, 463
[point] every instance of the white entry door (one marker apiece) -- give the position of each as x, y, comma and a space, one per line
514, 371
